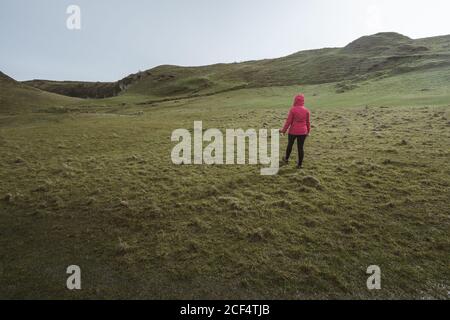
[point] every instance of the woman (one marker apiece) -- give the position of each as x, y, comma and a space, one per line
298, 123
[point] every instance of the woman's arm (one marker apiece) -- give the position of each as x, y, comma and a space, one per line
308, 122
288, 122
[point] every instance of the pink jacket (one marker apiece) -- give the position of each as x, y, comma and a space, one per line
298, 121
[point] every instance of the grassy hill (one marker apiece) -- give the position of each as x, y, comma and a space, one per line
98, 189
78, 89
370, 57
16, 97
91, 182
381, 55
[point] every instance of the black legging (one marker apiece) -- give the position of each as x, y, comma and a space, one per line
300, 144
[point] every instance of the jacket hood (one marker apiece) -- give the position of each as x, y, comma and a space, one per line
299, 100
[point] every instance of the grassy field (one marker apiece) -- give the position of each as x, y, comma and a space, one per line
91, 183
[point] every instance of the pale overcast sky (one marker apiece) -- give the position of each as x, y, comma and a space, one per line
121, 37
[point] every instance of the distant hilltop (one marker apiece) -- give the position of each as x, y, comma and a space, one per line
379, 55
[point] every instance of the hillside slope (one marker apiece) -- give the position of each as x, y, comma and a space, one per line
380, 55
16, 97
78, 89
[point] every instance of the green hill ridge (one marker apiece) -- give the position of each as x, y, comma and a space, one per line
19, 97
379, 55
